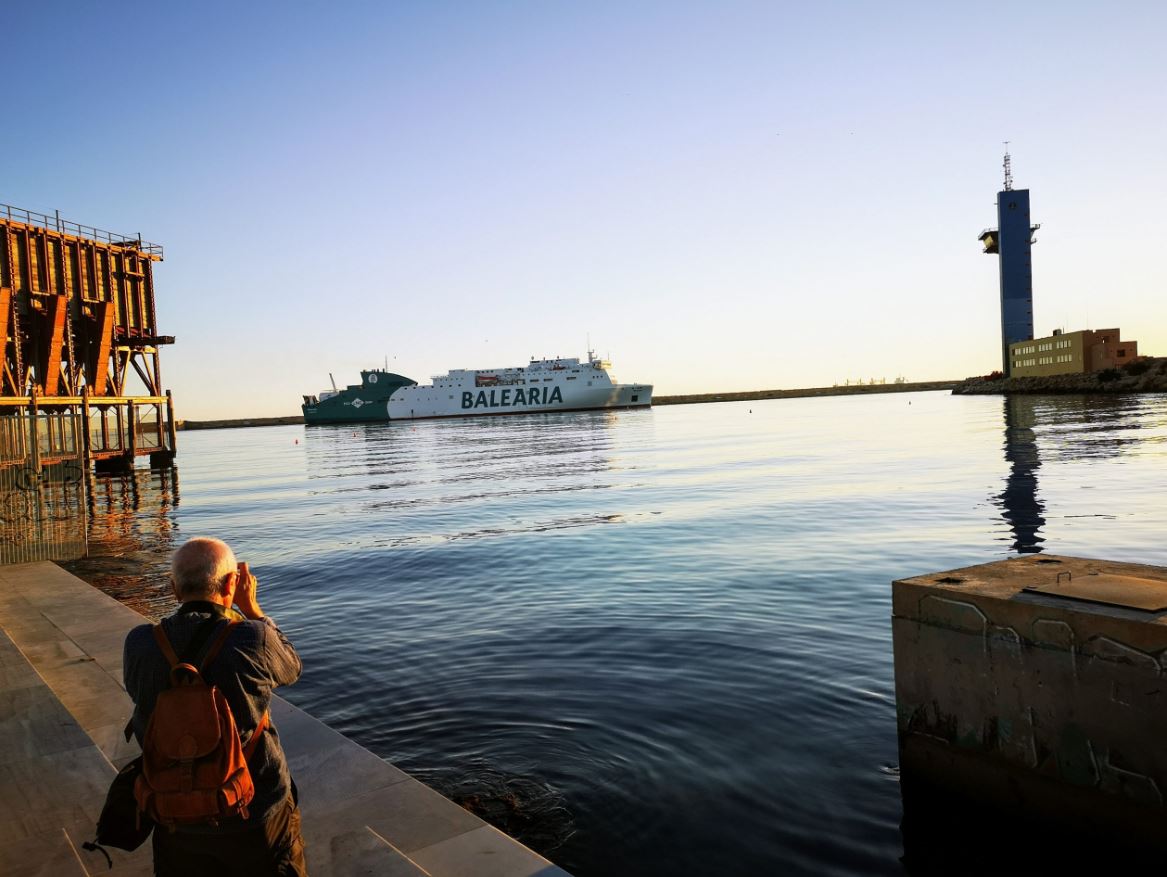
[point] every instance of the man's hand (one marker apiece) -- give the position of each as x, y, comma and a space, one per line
245, 597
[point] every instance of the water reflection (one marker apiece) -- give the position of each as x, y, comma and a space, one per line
1019, 503
1060, 430
132, 532
432, 482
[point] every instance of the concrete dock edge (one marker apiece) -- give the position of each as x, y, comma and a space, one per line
62, 709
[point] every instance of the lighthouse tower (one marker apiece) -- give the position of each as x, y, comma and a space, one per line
1011, 241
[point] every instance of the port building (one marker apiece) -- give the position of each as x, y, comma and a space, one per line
1064, 353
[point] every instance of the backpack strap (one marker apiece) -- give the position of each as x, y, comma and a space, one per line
265, 719
217, 645
253, 740
193, 648
164, 644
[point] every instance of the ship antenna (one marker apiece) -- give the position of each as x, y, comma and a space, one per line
331, 378
1008, 169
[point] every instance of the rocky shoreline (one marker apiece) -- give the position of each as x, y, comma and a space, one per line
1148, 375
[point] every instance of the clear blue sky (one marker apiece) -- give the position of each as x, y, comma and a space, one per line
726, 196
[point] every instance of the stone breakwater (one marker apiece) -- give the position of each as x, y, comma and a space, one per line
1143, 376
232, 424
745, 396
846, 390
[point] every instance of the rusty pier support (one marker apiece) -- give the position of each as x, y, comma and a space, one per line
77, 321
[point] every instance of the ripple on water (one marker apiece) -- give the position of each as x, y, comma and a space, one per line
646, 642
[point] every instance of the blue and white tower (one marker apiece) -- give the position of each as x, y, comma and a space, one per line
1011, 241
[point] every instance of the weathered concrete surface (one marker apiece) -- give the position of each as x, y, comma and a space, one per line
1042, 707
62, 708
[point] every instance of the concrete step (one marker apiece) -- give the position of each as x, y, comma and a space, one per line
53, 780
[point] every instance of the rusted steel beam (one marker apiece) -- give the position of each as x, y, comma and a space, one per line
49, 364
5, 313
97, 349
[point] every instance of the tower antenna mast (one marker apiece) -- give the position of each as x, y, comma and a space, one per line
1008, 169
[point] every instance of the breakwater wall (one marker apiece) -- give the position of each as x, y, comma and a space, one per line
848, 390
249, 421
745, 396
1142, 376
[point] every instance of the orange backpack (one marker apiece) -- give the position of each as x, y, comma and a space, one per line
194, 768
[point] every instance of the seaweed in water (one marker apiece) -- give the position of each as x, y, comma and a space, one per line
529, 810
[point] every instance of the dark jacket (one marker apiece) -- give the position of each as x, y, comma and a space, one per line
255, 659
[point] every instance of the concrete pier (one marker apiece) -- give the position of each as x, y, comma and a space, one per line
1032, 690
62, 710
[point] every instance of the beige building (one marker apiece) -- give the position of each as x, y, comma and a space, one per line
1071, 353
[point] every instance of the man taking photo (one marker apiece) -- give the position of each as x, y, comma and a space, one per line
204, 644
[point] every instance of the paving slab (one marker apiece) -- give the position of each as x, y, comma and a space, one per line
62, 708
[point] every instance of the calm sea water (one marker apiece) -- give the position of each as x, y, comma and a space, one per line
648, 642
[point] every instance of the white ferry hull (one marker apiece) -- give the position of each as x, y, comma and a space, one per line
413, 403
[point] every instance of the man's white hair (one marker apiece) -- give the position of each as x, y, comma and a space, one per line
200, 566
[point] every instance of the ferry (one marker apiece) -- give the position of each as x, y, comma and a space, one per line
541, 385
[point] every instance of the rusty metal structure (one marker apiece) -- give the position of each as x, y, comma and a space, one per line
81, 379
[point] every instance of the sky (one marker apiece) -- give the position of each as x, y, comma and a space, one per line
720, 196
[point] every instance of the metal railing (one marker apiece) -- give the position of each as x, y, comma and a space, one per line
43, 220
43, 510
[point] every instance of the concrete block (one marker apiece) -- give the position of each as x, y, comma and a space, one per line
1047, 707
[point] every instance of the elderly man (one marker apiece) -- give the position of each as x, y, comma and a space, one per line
253, 659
